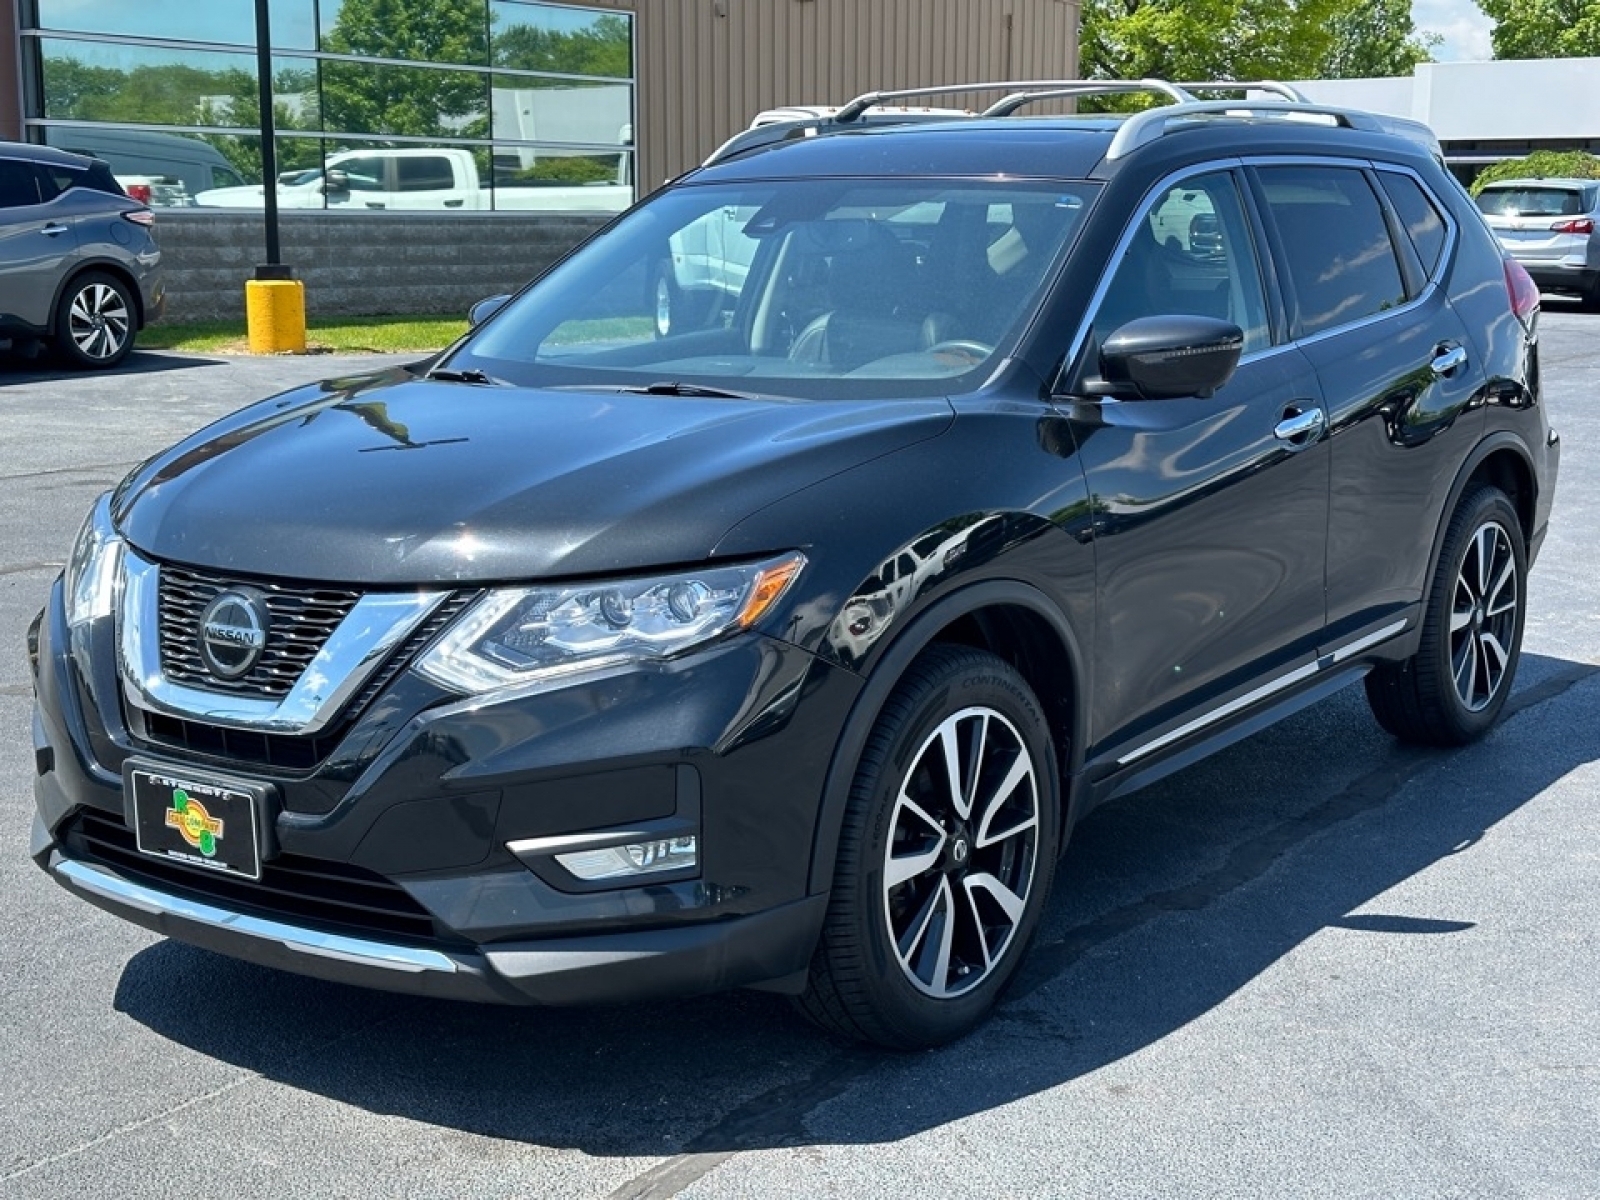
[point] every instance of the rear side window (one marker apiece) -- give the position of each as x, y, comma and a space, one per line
425, 174
1417, 213
1341, 263
56, 179
17, 186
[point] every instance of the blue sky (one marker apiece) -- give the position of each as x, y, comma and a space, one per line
1462, 25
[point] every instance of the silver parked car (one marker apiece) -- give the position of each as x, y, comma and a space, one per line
79, 264
1549, 226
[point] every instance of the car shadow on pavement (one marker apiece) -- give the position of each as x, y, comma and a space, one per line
1155, 921
14, 368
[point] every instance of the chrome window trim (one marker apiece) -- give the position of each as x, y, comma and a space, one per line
378, 623
387, 955
1433, 277
1272, 686
1081, 337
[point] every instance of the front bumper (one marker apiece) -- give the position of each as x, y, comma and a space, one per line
616, 967
431, 805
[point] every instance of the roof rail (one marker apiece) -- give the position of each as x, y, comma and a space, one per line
1287, 91
1077, 87
1144, 127
1140, 128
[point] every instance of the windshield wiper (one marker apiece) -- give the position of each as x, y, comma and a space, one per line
686, 389
471, 375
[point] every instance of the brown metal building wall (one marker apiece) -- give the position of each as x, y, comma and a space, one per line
705, 67
10, 73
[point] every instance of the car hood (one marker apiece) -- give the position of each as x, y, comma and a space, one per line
392, 479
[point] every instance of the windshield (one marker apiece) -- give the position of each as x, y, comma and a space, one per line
1533, 202
792, 288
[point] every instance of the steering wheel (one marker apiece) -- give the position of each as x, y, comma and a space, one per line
967, 348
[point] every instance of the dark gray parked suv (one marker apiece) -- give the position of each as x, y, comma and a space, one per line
79, 263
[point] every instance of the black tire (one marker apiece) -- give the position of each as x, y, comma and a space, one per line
96, 321
1453, 689
988, 890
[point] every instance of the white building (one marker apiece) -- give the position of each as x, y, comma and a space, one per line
1485, 111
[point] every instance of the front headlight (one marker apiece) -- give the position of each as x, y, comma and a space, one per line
91, 576
524, 635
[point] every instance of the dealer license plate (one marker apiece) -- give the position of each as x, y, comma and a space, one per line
197, 819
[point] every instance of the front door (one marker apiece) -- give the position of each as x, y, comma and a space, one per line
1211, 513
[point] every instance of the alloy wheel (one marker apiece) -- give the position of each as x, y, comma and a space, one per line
1483, 616
98, 321
963, 840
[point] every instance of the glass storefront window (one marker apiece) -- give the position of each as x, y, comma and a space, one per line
550, 86
531, 109
555, 180
437, 31
567, 41
375, 98
293, 22
159, 85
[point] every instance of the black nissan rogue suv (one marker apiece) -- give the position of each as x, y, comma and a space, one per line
761, 596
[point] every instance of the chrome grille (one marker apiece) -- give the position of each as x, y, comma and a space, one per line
303, 618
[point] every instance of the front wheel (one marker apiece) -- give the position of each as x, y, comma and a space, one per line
1455, 686
946, 856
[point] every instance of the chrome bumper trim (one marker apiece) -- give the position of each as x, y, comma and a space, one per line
409, 959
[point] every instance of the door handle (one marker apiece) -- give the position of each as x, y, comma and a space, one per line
1299, 428
1448, 359
454, 203
52, 229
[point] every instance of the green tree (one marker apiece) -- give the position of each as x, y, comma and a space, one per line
1541, 164
1248, 39
1376, 38
1544, 28
369, 98
605, 47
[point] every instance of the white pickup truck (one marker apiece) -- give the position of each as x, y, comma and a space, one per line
422, 179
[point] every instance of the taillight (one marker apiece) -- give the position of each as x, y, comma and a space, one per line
1523, 291
140, 216
139, 192
1581, 225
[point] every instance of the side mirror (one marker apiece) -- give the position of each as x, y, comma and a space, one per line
336, 181
484, 309
1165, 358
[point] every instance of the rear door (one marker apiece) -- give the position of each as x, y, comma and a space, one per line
36, 244
1362, 255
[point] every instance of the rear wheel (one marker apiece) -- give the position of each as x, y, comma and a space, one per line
95, 321
946, 856
1455, 686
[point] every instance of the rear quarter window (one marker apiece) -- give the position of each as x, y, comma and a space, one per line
1419, 215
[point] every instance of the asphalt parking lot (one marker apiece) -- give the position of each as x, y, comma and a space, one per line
1318, 964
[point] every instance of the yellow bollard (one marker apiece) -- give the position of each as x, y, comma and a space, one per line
275, 314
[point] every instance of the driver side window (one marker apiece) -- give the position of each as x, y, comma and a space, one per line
1190, 253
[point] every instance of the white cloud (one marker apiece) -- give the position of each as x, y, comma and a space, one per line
1462, 25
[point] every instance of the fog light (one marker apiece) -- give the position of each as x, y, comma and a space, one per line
638, 858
